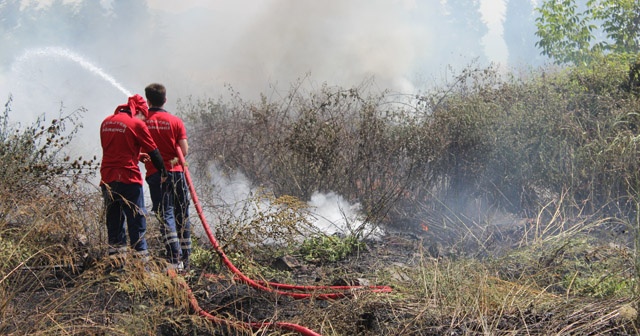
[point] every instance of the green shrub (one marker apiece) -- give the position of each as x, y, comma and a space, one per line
323, 248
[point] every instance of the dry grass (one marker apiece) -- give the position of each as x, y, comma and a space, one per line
540, 285
566, 265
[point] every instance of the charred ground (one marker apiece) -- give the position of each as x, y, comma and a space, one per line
520, 289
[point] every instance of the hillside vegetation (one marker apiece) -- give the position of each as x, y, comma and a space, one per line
510, 206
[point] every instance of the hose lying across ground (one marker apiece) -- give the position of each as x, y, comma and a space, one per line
193, 302
302, 292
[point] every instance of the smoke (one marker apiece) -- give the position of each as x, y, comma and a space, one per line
336, 41
264, 46
234, 197
332, 214
51, 81
197, 47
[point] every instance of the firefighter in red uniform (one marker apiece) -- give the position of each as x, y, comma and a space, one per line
171, 198
123, 136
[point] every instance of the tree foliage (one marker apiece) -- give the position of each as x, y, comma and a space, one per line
576, 32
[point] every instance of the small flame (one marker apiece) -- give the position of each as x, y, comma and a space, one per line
424, 227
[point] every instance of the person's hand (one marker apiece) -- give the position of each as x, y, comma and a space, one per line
144, 157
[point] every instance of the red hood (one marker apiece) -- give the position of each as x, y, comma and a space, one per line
136, 104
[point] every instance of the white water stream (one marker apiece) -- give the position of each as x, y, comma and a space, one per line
69, 55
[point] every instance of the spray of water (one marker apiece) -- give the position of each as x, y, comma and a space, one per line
69, 55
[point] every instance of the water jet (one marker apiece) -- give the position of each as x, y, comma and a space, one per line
69, 55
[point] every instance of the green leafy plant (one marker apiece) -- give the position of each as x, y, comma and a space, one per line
569, 33
202, 257
323, 248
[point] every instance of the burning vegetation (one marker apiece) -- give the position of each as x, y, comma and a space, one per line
507, 207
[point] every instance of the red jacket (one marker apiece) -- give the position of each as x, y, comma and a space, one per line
123, 137
166, 130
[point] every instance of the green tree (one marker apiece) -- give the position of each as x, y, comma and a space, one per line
568, 30
520, 33
621, 23
464, 27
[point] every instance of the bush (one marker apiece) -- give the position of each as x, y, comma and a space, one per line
485, 142
46, 212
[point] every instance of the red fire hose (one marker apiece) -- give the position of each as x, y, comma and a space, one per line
272, 287
242, 325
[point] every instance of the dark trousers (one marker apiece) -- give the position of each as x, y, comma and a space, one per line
171, 202
124, 203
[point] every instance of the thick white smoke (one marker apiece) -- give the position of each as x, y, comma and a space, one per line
196, 47
330, 213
